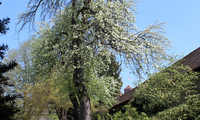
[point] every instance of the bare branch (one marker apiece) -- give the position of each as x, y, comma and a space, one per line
44, 8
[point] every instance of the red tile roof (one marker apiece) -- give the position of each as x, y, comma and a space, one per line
128, 87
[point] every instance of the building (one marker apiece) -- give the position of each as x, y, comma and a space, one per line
192, 60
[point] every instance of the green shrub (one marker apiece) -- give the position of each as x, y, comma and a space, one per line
165, 89
129, 114
187, 111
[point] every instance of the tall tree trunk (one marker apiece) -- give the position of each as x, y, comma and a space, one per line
85, 112
79, 98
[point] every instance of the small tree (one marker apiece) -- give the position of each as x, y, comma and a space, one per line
47, 95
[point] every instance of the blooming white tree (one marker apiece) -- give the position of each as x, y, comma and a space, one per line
83, 35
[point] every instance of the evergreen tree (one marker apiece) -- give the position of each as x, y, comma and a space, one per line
3, 25
7, 103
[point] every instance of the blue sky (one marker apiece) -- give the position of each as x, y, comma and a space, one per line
182, 19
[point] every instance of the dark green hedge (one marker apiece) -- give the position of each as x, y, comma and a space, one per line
187, 111
164, 90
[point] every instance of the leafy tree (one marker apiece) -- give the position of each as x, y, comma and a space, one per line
21, 75
43, 98
7, 101
165, 89
86, 33
36, 96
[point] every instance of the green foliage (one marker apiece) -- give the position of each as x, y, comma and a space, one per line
3, 25
55, 47
165, 89
7, 99
21, 75
130, 114
99, 110
43, 98
104, 80
102, 26
188, 111
113, 70
53, 117
80, 43
40, 94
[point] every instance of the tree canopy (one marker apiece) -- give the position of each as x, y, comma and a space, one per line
81, 39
